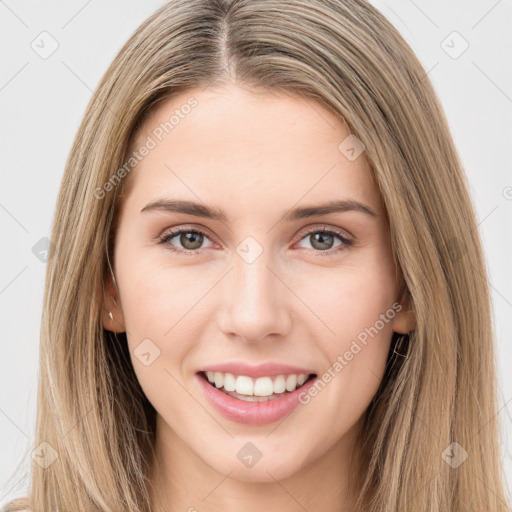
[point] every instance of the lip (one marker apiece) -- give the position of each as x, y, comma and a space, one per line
253, 413
254, 371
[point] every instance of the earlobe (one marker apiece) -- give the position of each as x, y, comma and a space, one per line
405, 319
113, 319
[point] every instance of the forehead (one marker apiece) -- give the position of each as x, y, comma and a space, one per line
232, 145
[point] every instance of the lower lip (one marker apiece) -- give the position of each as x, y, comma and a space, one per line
254, 413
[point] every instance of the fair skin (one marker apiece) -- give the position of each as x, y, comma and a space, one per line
256, 158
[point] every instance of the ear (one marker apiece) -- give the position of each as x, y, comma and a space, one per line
405, 319
112, 305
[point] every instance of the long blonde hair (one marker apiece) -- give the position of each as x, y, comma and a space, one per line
92, 414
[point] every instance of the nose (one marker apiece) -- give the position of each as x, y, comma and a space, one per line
255, 303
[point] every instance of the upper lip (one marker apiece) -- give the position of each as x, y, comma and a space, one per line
254, 371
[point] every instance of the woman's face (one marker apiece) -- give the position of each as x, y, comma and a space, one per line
261, 285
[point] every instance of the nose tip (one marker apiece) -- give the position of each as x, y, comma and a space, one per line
253, 304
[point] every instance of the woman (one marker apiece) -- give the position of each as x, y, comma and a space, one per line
267, 289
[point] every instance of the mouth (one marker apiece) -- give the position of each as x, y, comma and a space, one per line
262, 389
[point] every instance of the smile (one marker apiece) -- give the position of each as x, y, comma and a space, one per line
260, 389
254, 401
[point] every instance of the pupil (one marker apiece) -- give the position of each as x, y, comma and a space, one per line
193, 237
323, 244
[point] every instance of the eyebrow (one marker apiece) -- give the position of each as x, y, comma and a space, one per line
202, 210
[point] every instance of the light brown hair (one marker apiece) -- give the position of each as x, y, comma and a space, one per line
347, 56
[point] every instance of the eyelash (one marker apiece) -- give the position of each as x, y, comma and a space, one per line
346, 242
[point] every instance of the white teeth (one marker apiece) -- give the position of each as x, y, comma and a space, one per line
291, 382
229, 382
301, 379
279, 384
219, 379
260, 387
263, 387
244, 385
252, 398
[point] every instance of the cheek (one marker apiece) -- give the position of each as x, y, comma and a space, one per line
156, 297
158, 311
355, 304
358, 349
158, 308
349, 298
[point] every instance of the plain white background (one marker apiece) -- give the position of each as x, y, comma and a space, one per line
465, 47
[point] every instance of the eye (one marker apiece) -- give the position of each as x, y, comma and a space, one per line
190, 239
323, 239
